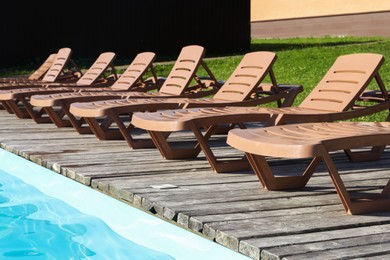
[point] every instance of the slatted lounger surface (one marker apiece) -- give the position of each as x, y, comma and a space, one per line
334, 98
36, 75
55, 73
177, 84
317, 141
241, 89
132, 79
17, 100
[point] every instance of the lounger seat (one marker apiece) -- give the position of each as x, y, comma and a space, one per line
316, 141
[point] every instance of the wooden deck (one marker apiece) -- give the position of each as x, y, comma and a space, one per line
231, 209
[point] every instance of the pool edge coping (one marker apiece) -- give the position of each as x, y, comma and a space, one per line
177, 218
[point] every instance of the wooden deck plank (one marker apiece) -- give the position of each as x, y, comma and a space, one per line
230, 208
320, 244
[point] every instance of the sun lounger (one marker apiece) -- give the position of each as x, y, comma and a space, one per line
177, 84
318, 141
57, 72
133, 78
16, 101
36, 75
241, 89
336, 97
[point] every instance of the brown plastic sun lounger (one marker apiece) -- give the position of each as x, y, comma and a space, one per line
16, 101
241, 89
318, 141
36, 75
177, 84
133, 78
57, 72
337, 96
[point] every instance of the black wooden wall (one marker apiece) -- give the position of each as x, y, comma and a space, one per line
31, 29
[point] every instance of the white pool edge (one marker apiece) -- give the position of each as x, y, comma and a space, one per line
121, 217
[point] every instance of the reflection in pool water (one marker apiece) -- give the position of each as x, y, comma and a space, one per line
33, 224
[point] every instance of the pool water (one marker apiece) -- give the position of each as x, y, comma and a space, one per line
34, 224
44, 215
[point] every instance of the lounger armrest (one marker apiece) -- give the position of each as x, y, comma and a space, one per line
287, 93
372, 96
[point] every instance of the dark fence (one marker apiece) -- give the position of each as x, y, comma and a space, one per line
32, 29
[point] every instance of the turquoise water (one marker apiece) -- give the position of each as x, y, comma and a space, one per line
34, 224
44, 215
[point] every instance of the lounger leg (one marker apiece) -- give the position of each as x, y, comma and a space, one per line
361, 204
386, 190
35, 115
374, 154
56, 117
337, 182
166, 150
271, 182
6, 107
127, 131
101, 130
77, 123
217, 165
12, 105
26, 110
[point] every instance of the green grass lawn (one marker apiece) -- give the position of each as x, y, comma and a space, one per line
305, 60
301, 61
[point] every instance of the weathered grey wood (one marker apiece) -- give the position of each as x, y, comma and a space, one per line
298, 239
352, 251
231, 208
349, 245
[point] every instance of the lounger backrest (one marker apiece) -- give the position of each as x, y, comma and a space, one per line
59, 64
344, 82
135, 71
247, 76
38, 74
97, 69
183, 70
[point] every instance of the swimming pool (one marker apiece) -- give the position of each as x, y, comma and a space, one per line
44, 215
